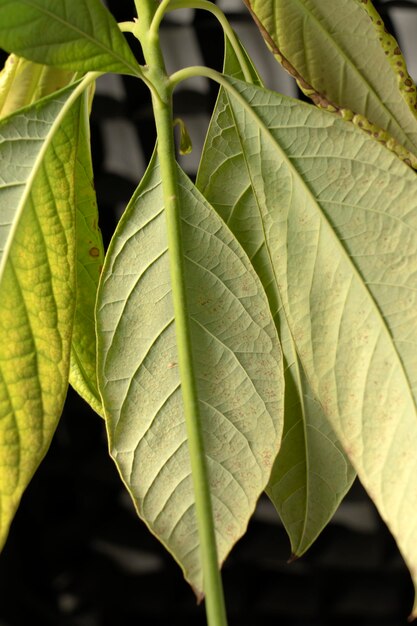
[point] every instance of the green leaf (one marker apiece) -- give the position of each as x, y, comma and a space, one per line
90, 259
37, 285
311, 473
343, 57
339, 214
237, 362
78, 35
22, 83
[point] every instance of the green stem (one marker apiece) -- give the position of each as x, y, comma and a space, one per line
205, 5
162, 106
159, 14
127, 27
216, 614
197, 70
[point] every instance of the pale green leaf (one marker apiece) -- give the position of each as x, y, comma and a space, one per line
22, 83
90, 259
237, 368
37, 285
311, 473
78, 35
343, 57
339, 214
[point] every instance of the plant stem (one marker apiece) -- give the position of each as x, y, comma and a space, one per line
162, 107
127, 27
159, 14
198, 70
216, 614
206, 5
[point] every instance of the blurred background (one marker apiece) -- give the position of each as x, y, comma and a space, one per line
77, 554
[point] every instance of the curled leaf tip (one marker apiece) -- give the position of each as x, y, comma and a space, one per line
186, 145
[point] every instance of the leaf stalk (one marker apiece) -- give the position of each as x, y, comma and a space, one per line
163, 113
205, 5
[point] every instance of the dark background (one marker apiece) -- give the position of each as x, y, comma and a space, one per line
77, 554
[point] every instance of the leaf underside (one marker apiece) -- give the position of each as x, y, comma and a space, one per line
90, 259
364, 71
311, 473
237, 363
37, 285
339, 213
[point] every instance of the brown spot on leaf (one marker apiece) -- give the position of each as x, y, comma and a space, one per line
397, 50
94, 252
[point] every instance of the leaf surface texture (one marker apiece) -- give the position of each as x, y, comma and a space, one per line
37, 286
342, 56
79, 35
237, 368
311, 473
339, 216
90, 259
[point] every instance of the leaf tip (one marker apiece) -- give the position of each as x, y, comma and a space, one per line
293, 557
413, 614
199, 595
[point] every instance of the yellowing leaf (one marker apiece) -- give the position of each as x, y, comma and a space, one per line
22, 83
37, 285
90, 259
